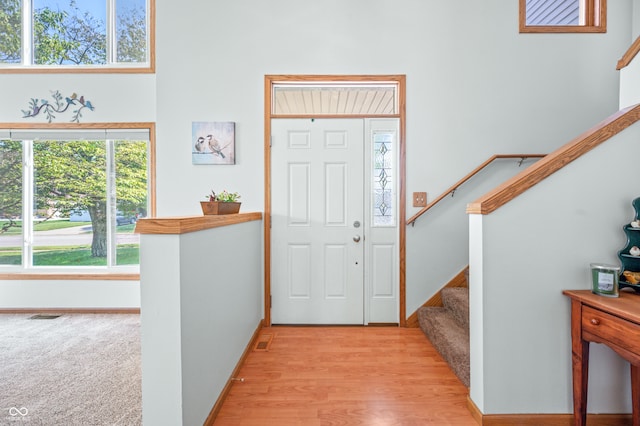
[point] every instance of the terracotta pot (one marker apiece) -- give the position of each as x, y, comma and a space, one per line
219, 207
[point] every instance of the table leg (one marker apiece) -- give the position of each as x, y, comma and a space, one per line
580, 360
635, 394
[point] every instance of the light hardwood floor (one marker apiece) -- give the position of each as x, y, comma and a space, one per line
374, 376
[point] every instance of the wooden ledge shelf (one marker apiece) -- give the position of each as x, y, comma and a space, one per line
185, 224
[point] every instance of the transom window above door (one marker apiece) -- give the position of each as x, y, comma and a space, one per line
379, 99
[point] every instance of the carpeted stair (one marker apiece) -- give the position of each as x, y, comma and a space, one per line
447, 328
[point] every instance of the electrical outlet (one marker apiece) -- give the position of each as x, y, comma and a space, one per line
419, 199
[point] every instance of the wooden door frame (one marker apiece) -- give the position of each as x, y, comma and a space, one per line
269, 81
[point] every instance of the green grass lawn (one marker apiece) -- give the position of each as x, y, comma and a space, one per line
125, 229
126, 254
47, 225
51, 225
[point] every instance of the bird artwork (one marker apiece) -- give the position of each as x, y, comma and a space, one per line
59, 105
214, 146
200, 145
213, 142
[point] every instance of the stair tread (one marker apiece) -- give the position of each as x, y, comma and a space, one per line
449, 337
456, 299
438, 316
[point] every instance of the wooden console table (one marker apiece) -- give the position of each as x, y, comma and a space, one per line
614, 322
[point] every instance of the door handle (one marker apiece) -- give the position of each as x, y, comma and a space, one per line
356, 238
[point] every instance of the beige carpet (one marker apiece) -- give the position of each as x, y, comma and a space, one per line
448, 329
72, 370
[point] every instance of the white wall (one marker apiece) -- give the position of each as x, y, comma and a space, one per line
201, 303
161, 329
475, 87
221, 308
116, 98
629, 80
438, 242
522, 256
630, 84
72, 294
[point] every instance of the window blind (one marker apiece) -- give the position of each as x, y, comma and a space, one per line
75, 134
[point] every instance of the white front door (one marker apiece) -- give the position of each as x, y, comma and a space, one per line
317, 216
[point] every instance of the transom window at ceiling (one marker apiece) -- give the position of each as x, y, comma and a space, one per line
567, 16
74, 34
335, 99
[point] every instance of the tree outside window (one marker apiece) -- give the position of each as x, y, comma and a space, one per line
73, 33
10, 31
81, 206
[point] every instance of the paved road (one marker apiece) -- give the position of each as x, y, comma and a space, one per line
78, 235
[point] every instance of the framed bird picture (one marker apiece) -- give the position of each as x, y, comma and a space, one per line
213, 142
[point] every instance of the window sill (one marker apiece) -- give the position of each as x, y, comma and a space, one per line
86, 276
566, 29
146, 69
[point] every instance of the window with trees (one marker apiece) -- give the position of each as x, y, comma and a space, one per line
75, 34
563, 16
71, 198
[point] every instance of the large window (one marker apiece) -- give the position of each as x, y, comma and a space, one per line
71, 199
563, 16
74, 34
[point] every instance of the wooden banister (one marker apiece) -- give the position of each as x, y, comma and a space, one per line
628, 56
475, 171
555, 161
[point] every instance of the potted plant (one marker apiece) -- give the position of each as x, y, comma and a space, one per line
222, 203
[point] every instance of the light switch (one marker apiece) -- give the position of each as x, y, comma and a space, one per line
419, 199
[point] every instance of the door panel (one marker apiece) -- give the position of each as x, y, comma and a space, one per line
382, 267
299, 263
300, 196
335, 194
335, 271
316, 197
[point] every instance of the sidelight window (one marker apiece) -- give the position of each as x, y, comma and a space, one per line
383, 179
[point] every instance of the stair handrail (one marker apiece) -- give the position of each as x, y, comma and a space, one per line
556, 160
452, 189
628, 56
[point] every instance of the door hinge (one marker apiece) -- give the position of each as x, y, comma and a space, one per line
270, 141
270, 301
